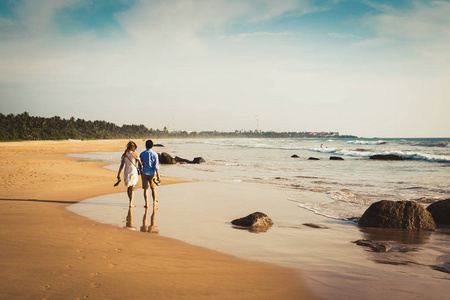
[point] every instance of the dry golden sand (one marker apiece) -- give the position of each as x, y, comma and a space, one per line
48, 252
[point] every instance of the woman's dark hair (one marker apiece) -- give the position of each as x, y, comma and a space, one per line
149, 144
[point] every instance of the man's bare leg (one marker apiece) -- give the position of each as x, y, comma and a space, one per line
155, 202
146, 197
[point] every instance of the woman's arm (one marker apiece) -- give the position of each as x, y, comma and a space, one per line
121, 166
138, 159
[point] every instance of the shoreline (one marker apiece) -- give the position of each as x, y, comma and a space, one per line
51, 252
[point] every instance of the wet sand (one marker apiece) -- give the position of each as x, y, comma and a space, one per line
332, 266
49, 252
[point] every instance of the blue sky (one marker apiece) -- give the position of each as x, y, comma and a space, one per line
369, 68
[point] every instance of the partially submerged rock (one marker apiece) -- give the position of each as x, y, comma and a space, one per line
440, 211
397, 214
256, 219
181, 160
315, 226
336, 158
374, 245
313, 158
386, 157
166, 159
294, 156
198, 160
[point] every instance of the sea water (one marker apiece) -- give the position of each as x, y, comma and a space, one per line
351, 184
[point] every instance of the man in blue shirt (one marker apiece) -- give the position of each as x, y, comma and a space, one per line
150, 172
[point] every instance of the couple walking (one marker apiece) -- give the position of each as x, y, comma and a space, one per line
148, 162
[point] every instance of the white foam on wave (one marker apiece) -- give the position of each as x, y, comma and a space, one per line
380, 142
324, 150
404, 155
304, 206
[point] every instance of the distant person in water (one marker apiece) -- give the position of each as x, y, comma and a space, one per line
150, 172
131, 161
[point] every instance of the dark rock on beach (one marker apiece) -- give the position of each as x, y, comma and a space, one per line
440, 211
336, 158
442, 268
256, 219
374, 245
315, 226
397, 214
294, 156
166, 159
386, 157
198, 160
181, 160
313, 158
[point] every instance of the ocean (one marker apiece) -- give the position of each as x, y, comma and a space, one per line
351, 184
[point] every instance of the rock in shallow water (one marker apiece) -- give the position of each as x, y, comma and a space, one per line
374, 245
386, 157
336, 158
256, 219
440, 211
312, 225
397, 214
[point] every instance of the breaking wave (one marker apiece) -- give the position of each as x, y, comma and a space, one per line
367, 142
404, 155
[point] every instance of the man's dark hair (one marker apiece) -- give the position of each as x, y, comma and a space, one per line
149, 144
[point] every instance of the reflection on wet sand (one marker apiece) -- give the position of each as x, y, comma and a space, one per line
406, 246
144, 228
256, 229
399, 236
129, 220
152, 227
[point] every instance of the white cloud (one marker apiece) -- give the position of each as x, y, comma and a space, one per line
342, 35
242, 36
425, 28
372, 42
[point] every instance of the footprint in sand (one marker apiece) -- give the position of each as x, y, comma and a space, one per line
81, 297
119, 249
107, 256
69, 266
111, 265
81, 257
47, 286
96, 274
95, 285
66, 275
80, 250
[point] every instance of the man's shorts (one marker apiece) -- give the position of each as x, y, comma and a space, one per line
147, 180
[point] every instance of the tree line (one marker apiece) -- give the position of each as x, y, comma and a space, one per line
25, 127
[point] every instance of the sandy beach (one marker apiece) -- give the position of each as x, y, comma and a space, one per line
49, 252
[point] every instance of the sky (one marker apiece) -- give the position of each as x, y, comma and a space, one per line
371, 68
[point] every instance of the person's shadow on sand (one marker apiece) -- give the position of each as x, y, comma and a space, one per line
152, 227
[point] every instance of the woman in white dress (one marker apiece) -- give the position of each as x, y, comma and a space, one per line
131, 161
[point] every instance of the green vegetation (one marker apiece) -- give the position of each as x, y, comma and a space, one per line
26, 127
